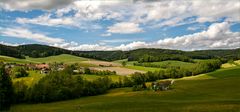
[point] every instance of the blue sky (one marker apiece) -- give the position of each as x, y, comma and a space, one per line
121, 25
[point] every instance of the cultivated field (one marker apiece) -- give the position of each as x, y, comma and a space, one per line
213, 92
101, 63
119, 70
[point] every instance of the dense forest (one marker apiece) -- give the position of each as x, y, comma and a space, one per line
140, 55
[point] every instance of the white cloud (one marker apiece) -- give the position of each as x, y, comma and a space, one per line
154, 14
46, 20
217, 36
125, 28
196, 27
106, 34
33, 4
9, 44
27, 34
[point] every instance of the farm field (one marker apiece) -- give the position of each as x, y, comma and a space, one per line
142, 68
173, 63
119, 70
115, 78
212, 92
34, 77
102, 63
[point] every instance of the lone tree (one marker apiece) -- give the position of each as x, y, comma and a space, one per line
6, 90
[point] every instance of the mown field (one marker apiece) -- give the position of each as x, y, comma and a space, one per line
212, 92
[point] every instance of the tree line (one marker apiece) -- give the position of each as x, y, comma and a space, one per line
141, 55
139, 79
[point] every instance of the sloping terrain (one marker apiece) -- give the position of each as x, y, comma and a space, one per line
213, 92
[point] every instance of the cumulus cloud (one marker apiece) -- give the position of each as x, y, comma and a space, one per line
33, 4
27, 34
217, 36
125, 28
46, 20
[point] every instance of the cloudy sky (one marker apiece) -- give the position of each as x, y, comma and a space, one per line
121, 24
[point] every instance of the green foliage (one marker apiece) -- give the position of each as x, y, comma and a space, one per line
20, 91
99, 72
36, 50
10, 51
62, 86
6, 90
213, 92
165, 64
178, 72
141, 55
18, 72
87, 70
124, 63
55, 86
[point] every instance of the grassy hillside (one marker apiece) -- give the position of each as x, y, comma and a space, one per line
65, 58
213, 92
14, 60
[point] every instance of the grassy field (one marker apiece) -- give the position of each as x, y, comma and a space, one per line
143, 68
173, 63
213, 92
14, 60
34, 77
65, 58
115, 78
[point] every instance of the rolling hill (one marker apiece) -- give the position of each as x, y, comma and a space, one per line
148, 54
212, 92
65, 58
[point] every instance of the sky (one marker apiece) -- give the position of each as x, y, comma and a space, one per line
88, 25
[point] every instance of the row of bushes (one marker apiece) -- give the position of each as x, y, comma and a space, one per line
99, 72
167, 65
150, 58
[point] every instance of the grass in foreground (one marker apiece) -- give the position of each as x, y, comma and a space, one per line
217, 92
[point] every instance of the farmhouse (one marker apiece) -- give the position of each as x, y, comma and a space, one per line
162, 85
43, 67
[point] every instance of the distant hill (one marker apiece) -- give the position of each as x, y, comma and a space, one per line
31, 50
10, 51
144, 54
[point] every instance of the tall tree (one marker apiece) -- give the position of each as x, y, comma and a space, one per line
6, 90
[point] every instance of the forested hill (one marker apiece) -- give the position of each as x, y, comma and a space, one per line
10, 51
36, 50
31, 50
152, 54
141, 55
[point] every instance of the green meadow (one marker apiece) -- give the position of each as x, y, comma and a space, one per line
65, 58
217, 91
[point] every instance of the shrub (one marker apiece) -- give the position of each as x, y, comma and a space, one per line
18, 72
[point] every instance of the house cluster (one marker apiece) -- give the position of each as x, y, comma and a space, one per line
162, 85
43, 67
